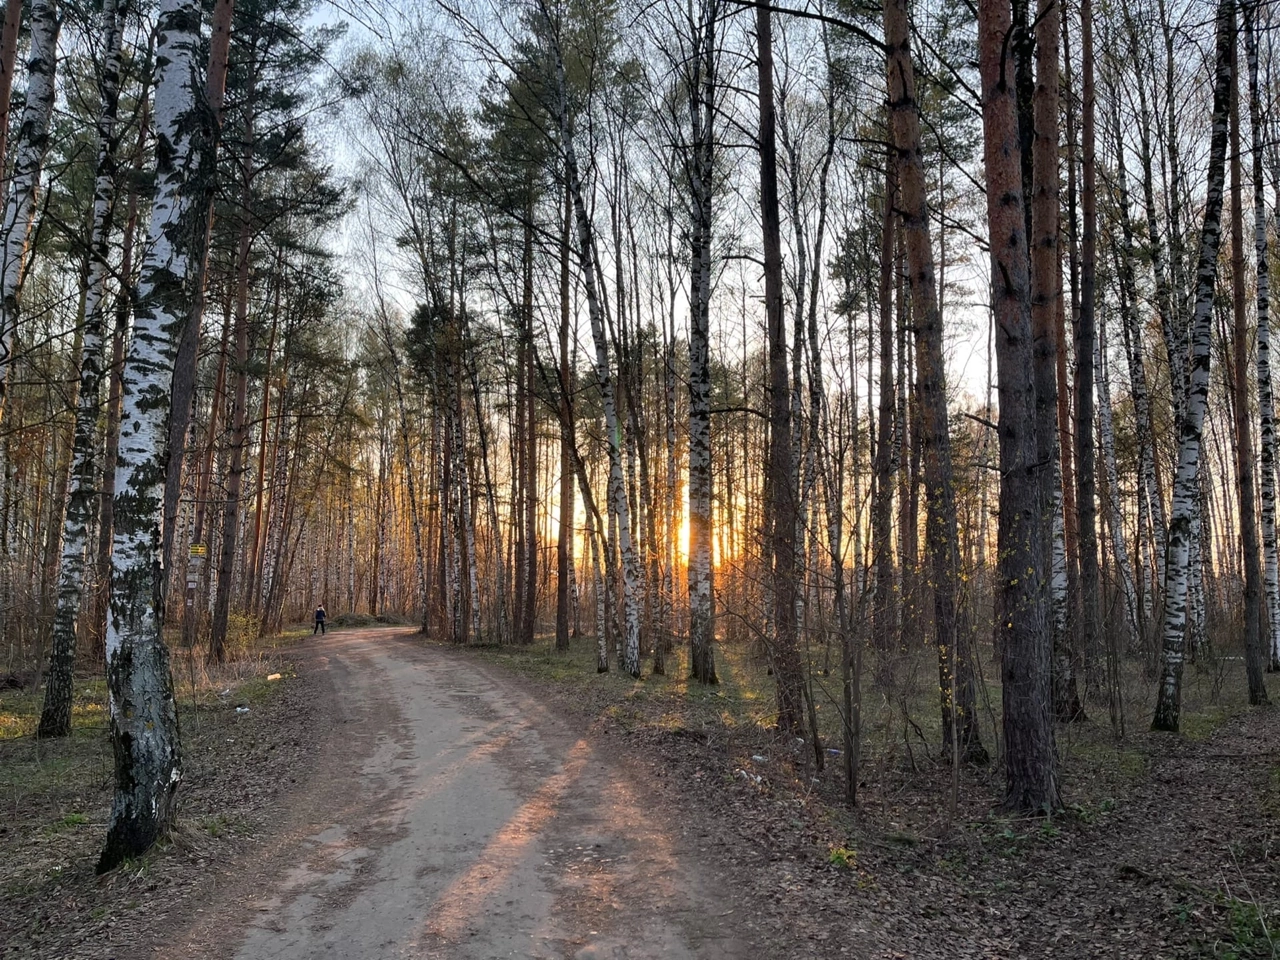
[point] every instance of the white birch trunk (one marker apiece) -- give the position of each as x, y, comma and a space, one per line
1115, 520
1058, 600
55, 719
1186, 490
1266, 401
604, 377
30, 145
463, 474
144, 721
701, 584
602, 634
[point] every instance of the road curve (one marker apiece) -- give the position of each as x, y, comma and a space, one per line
457, 819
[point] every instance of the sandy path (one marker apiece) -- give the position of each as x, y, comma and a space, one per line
454, 818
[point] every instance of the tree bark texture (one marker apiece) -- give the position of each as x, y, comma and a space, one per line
1186, 484
55, 718
144, 721
1248, 502
1086, 469
702, 92
1266, 400
1030, 762
955, 671
781, 503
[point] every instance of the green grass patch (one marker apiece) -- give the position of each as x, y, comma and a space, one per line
743, 697
842, 857
1203, 724
69, 822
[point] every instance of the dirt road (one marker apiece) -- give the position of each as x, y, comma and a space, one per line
454, 818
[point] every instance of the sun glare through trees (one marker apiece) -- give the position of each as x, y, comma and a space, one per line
916, 357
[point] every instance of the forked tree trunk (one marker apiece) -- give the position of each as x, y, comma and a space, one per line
144, 721
955, 672
55, 718
1030, 762
101, 602
1186, 486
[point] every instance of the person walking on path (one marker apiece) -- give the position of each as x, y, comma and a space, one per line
321, 616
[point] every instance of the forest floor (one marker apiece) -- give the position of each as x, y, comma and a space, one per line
248, 741
1169, 847
432, 809
635, 818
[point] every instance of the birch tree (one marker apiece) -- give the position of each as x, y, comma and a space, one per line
588, 259
1186, 484
55, 718
1046, 295
144, 719
30, 146
700, 170
1248, 517
1266, 401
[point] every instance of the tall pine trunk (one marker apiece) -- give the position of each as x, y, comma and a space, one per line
960, 732
1086, 472
235, 470
886, 594
781, 503
1030, 762
564, 540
